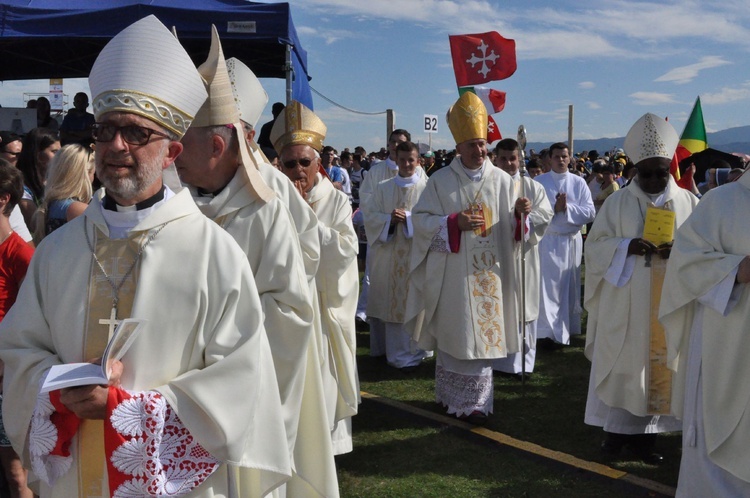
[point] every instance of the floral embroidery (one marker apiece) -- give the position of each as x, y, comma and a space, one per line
463, 394
158, 452
43, 437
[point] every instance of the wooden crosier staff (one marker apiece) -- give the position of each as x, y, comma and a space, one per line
521, 139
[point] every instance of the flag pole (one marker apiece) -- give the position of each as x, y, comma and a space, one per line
521, 139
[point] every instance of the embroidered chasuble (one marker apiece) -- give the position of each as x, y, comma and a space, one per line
464, 301
622, 297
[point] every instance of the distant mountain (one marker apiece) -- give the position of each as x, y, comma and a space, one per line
729, 140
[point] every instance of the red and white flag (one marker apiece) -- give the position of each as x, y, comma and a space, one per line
493, 131
482, 57
493, 100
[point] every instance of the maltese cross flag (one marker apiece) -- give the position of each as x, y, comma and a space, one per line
482, 57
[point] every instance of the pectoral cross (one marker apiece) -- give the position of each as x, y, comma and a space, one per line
112, 321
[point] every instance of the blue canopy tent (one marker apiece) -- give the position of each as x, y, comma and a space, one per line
61, 39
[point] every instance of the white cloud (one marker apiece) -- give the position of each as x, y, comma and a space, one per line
593, 105
586, 85
329, 36
728, 94
652, 98
686, 74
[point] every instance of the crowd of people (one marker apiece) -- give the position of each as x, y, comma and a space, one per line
240, 258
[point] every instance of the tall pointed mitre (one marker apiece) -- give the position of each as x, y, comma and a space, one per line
651, 136
467, 118
144, 70
220, 109
249, 95
298, 125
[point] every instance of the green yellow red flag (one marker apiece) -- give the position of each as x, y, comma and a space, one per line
692, 140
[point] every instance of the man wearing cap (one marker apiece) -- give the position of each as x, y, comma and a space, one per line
561, 250
705, 310
630, 385
508, 160
461, 300
298, 136
196, 389
225, 183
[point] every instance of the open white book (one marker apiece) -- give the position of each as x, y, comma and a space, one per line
84, 374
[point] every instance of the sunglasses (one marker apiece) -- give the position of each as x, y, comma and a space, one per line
292, 163
646, 175
132, 134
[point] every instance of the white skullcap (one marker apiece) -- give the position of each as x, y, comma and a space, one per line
144, 70
651, 136
249, 94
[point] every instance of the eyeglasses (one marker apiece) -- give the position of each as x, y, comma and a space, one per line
646, 175
10, 153
292, 163
132, 134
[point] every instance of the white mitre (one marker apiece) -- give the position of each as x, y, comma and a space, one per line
249, 94
220, 109
651, 136
144, 70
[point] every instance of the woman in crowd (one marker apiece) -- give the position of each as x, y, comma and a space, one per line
39, 147
68, 189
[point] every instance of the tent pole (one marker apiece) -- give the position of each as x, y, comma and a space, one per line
288, 69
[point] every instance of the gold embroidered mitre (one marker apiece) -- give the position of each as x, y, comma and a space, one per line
298, 125
144, 70
467, 119
650, 136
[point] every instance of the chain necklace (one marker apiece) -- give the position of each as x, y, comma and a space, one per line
112, 322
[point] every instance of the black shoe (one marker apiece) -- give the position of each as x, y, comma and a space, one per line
611, 448
613, 443
547, 344
476, 418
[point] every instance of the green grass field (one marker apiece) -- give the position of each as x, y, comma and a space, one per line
397, 454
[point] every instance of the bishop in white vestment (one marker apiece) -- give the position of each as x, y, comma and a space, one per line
298, 135
461, 299
172, 404
228, 188
630, 385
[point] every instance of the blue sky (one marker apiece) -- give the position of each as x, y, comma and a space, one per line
613, 60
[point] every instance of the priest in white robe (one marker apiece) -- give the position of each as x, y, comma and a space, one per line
298, 136
227, 186
378, 172
630, 384
507, 159
196, 390
561, 249
389, 225
705, 309
461, 300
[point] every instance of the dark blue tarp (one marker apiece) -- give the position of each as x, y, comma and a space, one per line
61, 38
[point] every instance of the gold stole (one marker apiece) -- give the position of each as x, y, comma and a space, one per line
484, 286
658, 228
659, 376
116, 256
